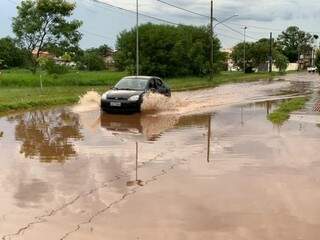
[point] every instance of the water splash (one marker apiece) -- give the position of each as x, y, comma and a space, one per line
154, 102
88, 102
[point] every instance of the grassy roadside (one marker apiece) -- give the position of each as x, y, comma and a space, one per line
20, 90
12, 99
194, 83
282, 113
24, 78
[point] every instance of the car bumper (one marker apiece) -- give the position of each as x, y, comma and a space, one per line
126, 106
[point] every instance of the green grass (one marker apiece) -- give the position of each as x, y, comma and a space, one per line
19, 89
282, 113
12, 99
193, 83
25, 78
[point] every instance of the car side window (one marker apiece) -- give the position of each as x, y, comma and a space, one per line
152, 84
159, 83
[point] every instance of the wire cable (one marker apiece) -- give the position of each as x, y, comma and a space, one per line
184, 9
133, 12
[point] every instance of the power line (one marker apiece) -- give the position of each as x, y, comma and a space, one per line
95, 34
184, 9
257, 27
228, 36
133, 12
236, 31
202, 15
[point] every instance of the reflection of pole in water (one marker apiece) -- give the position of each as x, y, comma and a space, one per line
209, 139
268, 107
136, 181
137, 156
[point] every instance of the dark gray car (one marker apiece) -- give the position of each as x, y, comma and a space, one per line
127, 94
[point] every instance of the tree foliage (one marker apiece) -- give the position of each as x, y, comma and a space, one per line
103, 50
92, 61
281, 62
257, 53
10, 54
294, 42
167, 50
44, 23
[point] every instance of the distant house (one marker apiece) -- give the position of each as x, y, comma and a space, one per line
229, 62
61, 61
43, 54
109, 59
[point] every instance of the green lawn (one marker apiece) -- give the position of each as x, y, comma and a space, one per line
26, 98
193, 83
19, 89
282, 113
25, 78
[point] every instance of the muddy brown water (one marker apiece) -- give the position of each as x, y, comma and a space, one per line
205, 165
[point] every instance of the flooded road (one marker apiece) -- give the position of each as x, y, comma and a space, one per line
204, 165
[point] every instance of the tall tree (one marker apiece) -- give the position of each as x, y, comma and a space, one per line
42, 23
167, 50
294, 42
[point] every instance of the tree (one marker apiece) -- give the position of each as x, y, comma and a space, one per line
257, 53
294, 42
167, 50
92, 61
10, 54
281, 62
103, 50
44, 23
237, 55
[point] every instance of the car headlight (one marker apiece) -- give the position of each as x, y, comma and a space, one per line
104, 96
134, 98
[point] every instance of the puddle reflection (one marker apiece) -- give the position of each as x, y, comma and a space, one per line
149, 127
48, 135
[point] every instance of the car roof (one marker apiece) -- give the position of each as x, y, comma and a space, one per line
142, 77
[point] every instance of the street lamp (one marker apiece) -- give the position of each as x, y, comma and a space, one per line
212, 33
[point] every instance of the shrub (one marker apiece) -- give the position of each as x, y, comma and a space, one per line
281, 62
52, 68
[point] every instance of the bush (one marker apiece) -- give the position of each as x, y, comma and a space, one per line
281, 62
92, 62
52, 68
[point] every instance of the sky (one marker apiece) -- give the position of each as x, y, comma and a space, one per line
102, 23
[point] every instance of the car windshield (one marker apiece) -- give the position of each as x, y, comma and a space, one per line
132, 84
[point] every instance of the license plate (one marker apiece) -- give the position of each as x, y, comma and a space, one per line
115, 104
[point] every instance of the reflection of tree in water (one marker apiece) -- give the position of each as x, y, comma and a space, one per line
48, 135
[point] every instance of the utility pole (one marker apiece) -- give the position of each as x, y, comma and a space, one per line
137, 39
270, 54
211, 40
244, 49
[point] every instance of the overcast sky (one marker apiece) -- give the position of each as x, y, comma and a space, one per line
103, 23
